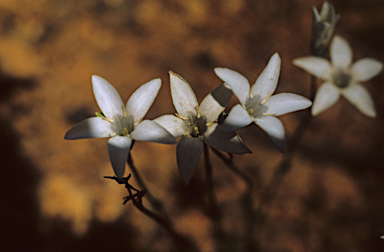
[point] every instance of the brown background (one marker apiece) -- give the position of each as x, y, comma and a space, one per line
53, 196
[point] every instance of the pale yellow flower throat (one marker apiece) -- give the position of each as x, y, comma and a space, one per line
121, 125
196, 124
255, 106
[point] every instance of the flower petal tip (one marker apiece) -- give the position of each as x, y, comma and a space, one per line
315, 112
97, 79
188, 153
276, 57
156, 83
67, 137
248, 151
372, 114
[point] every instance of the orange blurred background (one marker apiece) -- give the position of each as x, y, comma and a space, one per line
53, 195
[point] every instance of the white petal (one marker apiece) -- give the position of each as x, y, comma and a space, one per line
141, 100
238, 83
284, 103
237, 118
107, 97
316, 66
340, 53
118, 149
359, 96
150, 131
328, 14
274, 129
365, 69
215, 102
326, 96
184, 99
173, 124
266, 84
220, 139
188, 153
316, 14
93, 127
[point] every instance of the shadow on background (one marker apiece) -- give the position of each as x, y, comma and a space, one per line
22, 228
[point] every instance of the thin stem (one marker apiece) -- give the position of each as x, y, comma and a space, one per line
181, 241
247, 201
155, 203
231, 165
213, 210
214, 207
286, 163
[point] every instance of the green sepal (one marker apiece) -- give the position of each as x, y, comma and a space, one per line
100, 115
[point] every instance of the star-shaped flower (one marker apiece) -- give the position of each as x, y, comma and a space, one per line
258, 105
122, 124
197, 124
341, 77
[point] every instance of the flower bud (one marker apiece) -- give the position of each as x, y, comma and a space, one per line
323, 25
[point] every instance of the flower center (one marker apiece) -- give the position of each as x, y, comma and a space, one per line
341, 79
196, 124
123, 125
255, 106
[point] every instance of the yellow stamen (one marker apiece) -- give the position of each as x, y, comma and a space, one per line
181, 117
198, 111
265, 114
266, 98
209, 124
107, 119
124, 111
125, 131
137, 123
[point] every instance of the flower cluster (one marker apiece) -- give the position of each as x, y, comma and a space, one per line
195, 124
198, 124
202, 125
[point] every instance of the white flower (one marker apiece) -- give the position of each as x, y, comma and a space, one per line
258, 105
122, 123
341, 77
197, 124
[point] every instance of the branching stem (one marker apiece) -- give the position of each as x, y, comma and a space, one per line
182, 242
156, 204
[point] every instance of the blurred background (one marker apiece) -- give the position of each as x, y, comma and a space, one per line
53, 195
